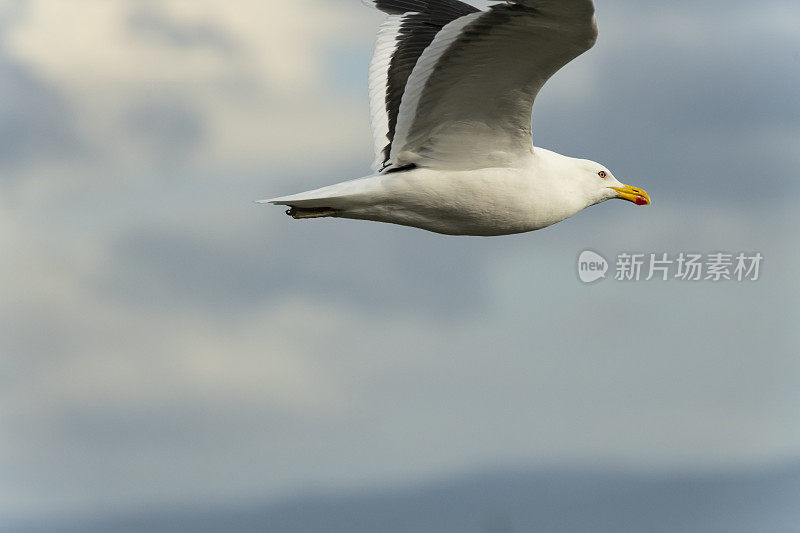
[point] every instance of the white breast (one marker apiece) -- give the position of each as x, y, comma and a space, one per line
490, 201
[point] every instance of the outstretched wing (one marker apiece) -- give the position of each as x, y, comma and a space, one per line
468, 101
410, 27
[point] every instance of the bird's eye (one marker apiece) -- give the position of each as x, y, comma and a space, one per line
602, 173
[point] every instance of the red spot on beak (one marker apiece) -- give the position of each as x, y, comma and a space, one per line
641, 200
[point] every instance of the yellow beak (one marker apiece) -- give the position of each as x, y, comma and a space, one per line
632, 194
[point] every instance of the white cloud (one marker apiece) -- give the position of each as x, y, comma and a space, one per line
280, 44
262, 93
104, 353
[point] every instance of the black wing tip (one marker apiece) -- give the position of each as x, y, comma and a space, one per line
405, 168
421, 22
444, 7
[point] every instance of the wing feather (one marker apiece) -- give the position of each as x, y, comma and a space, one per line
411, 25
469, 99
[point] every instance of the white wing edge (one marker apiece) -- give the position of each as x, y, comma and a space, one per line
419, 77
385, 47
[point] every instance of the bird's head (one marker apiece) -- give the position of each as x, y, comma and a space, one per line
604, 186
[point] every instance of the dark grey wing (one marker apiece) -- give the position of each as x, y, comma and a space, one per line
410, 27
469, 99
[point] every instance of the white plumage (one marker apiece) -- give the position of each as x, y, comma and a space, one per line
385, 47
451, 91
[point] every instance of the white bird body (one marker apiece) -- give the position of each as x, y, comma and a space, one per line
483, 202
452, 89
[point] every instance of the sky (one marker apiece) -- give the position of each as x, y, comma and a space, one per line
164, 340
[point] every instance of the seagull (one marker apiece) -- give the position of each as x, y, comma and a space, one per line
451, 96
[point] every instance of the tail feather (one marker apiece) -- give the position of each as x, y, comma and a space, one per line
312, 212
334, 197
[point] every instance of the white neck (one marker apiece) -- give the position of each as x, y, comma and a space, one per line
558, 185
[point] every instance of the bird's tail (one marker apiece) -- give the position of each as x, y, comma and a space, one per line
312, 212
327, 201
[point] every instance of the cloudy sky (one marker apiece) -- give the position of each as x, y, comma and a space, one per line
165, 340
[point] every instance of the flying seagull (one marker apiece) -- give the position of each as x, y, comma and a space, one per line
452, 90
